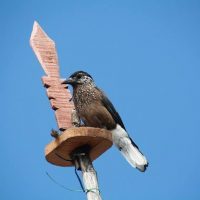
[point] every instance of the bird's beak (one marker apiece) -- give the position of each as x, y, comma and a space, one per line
68, 81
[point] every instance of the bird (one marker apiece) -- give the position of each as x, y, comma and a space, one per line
95, 110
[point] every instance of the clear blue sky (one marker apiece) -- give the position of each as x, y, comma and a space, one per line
144, 54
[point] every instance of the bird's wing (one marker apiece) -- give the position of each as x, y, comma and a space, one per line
109, 106
121, 138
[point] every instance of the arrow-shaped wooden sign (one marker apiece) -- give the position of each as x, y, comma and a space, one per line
59, 96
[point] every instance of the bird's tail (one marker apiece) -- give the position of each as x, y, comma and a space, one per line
128, 148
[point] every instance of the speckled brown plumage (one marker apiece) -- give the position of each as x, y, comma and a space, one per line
87, 100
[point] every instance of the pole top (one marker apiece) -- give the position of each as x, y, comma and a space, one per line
59, 151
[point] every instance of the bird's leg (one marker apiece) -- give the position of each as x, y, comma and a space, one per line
75, 119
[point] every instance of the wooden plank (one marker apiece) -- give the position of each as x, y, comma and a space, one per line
45, 50
52, 81
63, 120
56, 104
58, 94
99, 141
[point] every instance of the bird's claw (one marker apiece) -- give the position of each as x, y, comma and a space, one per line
54, 133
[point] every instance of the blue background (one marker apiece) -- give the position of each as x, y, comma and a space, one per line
144, 54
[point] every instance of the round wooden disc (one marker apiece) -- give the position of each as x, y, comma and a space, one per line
59, 151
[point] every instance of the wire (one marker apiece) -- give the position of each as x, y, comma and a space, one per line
79, 179
62, 186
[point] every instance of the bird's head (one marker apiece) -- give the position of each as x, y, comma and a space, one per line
79, 78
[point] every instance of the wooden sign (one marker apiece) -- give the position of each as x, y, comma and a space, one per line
59, 96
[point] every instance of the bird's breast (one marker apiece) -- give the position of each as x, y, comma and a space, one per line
83, 97
89, 107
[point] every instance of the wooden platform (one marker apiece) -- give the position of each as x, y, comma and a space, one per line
59, 151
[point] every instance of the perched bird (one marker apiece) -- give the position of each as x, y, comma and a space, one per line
95, 110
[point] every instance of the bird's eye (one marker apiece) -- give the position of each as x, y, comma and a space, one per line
79, 76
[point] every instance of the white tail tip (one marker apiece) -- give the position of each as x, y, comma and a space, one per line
128, 149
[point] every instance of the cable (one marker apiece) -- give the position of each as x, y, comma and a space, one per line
62, 186
79, 179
